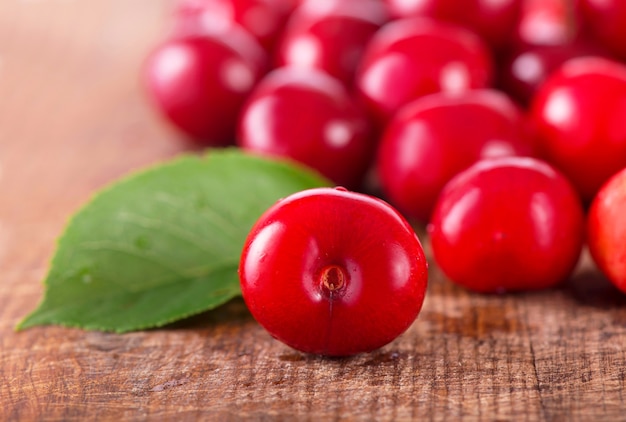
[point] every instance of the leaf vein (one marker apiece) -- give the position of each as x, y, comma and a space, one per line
174, 231
209, 214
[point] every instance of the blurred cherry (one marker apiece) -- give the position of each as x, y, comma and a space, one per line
263, 19
199, 83
547, 22
409, 58
494, 21
606, 20
331, 35
579, 115
523, 71
307, 115
435, 137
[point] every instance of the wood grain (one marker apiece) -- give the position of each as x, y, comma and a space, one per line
73, 118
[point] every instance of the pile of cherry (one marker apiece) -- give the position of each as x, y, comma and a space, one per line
500, 124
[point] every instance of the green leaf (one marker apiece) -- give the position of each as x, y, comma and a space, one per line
162, 244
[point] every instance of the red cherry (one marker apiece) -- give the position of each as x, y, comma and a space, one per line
331, 35
435, 137
524, 71
547, 22
320, 277
199, 83
580, 117
235, 36
494, 21
507, 224
409, 58
264, 19
606, 20
606, 229
290, 5
308, 115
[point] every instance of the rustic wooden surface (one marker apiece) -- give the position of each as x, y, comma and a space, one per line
73, 118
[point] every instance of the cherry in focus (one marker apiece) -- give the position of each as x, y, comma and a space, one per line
507, 224
320, 277
435, 137
307, 115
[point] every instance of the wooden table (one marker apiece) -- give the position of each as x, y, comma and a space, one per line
73, 118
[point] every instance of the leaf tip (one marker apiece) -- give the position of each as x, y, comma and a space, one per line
25, 323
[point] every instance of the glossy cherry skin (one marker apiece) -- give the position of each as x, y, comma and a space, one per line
507, 224
606, 20
526, 69
493, 21
547, 22
409, 58
322, 278
200, 83
264, 19
606, 229
331, 38
307, 115
435, 137
580, 118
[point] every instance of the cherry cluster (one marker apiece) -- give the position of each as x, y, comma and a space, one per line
497, 123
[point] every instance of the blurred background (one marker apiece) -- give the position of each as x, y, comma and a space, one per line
71, 105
